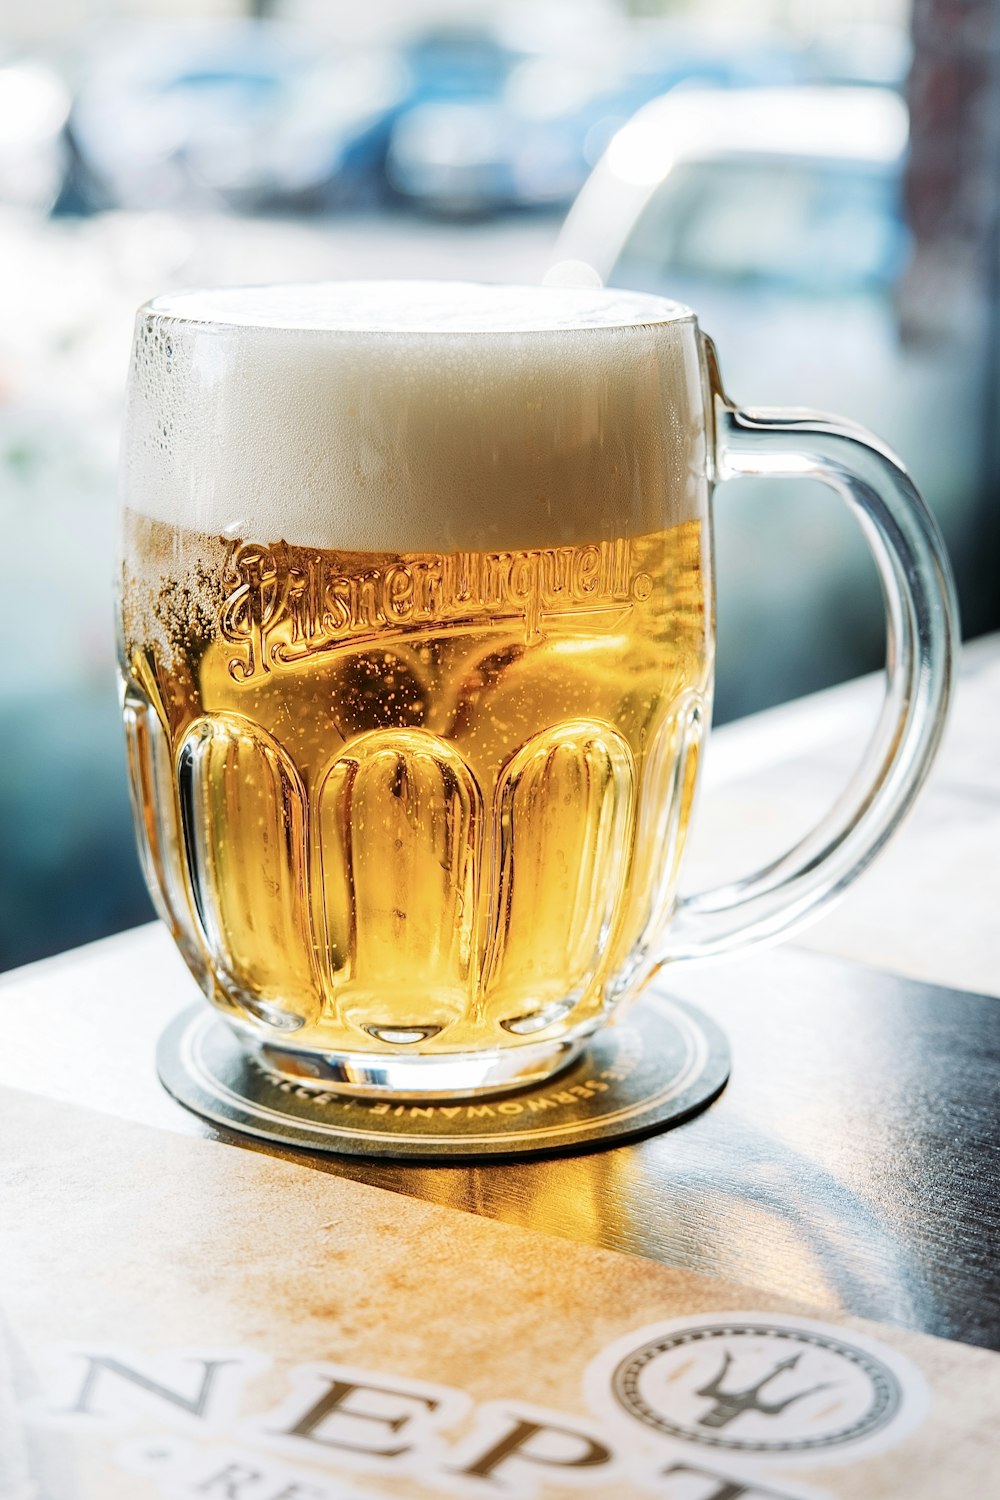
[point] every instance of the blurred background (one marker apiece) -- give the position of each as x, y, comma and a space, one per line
819, 178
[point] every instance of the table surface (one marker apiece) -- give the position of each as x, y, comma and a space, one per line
852, 1162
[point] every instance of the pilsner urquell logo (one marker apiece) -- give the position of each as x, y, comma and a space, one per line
286, 604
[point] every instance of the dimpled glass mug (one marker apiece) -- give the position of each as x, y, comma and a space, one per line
417, 652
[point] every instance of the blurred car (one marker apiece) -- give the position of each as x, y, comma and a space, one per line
532, 138
456, 62
863, 52
245, 114
448, 148
777, 215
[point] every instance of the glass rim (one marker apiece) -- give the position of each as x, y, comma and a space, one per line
598, 309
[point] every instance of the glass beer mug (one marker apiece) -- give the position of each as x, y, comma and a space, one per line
417, 652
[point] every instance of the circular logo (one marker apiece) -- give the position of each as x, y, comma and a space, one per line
758, 1387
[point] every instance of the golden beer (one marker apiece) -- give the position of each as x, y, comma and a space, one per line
414, 798
421, 802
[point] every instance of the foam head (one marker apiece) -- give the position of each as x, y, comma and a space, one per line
410, 416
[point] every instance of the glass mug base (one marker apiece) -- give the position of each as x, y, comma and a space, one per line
386, 1075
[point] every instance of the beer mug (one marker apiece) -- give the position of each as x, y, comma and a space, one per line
417, 650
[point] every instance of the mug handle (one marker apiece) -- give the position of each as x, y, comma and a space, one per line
921, 634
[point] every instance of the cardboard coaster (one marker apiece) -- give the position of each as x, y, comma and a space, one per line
663, 1064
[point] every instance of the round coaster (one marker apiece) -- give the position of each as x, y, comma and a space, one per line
661, 1065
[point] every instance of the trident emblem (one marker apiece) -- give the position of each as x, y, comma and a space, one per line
728, 1405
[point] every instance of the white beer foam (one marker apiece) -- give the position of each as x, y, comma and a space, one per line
410, 416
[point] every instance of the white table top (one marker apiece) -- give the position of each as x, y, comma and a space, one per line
859, 1126
929, 907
